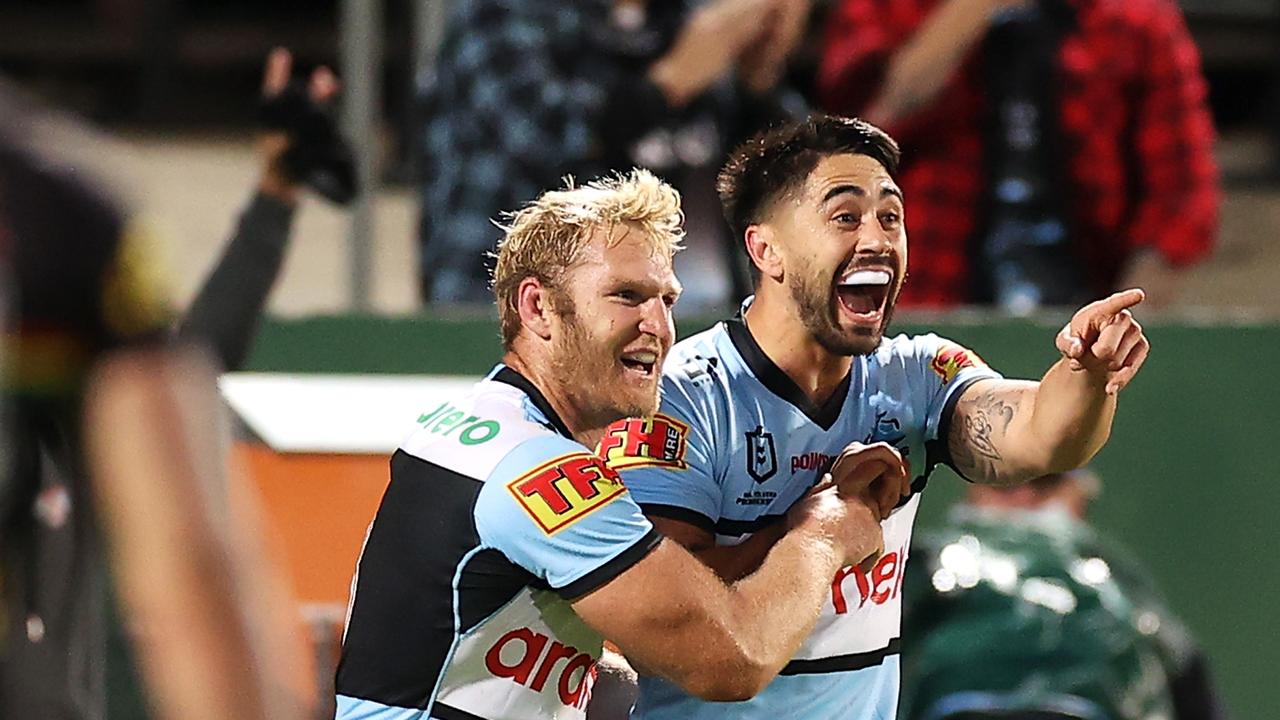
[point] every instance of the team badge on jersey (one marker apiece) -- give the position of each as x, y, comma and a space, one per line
562, 491
952, 358
656, 442
762, 456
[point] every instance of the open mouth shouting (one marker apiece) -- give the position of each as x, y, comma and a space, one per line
642, 364
862, 294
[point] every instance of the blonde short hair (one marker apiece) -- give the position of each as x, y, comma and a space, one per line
546, 237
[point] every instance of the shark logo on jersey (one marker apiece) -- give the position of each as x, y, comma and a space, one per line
889, 430
762, 457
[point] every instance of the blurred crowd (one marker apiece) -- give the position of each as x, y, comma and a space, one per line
1053, 149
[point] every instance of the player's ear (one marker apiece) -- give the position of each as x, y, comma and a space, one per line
761, 242
533, 301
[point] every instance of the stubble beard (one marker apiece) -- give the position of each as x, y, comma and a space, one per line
585, 367
816, 300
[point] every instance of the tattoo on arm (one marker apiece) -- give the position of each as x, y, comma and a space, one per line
978, 430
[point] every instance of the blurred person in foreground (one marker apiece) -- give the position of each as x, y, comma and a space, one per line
1018, 606
104, 410
525, 92
504, 550
1057, 149
803, 383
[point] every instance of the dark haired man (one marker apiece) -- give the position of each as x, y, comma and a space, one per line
756, 410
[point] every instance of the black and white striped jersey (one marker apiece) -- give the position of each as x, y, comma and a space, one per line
494, 520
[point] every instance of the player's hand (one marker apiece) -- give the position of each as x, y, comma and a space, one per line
876, 472
1104, 339
274, 143
852, 521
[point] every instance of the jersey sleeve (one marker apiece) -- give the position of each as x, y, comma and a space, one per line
943, 369
668, 461
552, 507
931, 374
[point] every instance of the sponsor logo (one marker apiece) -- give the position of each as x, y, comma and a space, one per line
659, 441
533, 660
952, 358
447, 420
882, 584
811, 461
762, 458
558, 493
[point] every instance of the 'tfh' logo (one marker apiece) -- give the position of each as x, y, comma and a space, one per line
658, 441
560, 492
762, 458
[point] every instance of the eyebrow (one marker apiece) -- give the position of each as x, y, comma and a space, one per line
618, 282
859, 192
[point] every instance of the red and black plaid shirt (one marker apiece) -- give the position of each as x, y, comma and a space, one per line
1135, 129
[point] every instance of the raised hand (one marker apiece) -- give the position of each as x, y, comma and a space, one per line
289, 113
1103, 338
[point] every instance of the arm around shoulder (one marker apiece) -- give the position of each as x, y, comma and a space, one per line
672, 616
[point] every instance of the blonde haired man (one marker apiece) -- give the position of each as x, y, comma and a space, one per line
505, 549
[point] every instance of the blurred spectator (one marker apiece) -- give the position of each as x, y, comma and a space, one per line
104, 411
1052, 149
527, 91
226, 311
1018, 606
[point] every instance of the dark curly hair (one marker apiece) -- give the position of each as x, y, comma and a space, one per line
778, 161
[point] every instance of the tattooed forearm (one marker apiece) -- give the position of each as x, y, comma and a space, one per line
978, 431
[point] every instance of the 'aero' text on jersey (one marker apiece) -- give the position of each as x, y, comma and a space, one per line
493, 520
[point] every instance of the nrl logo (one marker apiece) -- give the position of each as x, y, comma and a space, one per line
762, 457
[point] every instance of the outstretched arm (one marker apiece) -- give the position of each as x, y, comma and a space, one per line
1009, 431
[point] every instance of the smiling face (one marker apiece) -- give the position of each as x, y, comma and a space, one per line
843, 249
612, 326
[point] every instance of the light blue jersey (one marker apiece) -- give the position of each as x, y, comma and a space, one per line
494, 520
736, 443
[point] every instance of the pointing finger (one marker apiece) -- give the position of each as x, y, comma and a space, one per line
1091, 318
1112, 305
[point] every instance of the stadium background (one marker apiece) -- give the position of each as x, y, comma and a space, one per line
1187, 483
